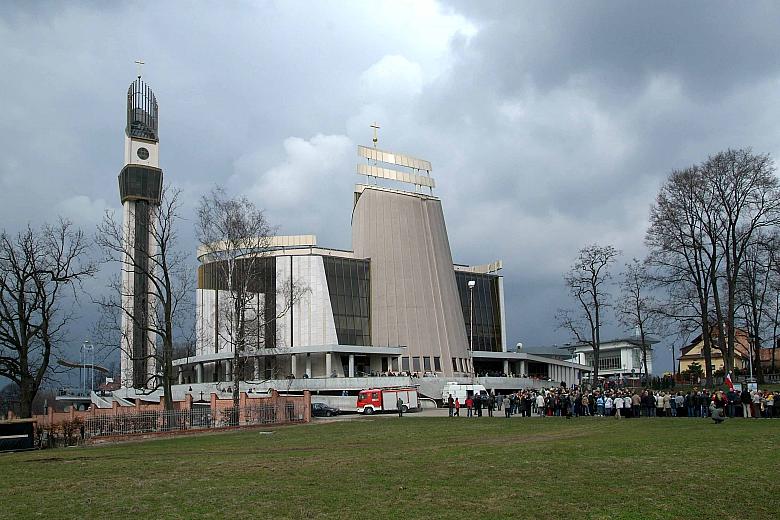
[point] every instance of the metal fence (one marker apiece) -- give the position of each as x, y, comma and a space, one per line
199, 417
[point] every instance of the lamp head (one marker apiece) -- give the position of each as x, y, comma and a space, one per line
472, 283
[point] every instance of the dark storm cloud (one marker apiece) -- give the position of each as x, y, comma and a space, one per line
549, 125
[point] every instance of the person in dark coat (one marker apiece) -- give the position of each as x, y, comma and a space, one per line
745, 398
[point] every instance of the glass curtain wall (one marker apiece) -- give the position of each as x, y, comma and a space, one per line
349, 286
261, 272
487, 310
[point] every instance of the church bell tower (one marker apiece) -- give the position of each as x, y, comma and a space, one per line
140, 190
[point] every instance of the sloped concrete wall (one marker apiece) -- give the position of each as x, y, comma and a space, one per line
414, 297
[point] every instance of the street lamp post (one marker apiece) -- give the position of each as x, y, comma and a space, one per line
472, 283
88, 358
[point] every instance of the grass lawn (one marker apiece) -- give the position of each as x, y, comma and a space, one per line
415, 467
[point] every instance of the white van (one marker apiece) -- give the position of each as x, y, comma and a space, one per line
461, 391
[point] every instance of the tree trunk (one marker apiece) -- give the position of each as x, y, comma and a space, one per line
757, 371
722, 346
707, 350
167, 373
26, 397
728, 362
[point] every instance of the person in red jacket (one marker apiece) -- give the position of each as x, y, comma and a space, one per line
469, 406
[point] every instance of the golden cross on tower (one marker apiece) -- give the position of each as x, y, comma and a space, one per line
375, 126
139, 63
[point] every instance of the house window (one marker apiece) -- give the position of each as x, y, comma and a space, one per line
426, 363
437, 364
607, 360
416, 363
405, 364
637, 357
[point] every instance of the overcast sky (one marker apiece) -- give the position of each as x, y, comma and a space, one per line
549, 125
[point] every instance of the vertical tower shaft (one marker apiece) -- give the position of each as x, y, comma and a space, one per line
140, 190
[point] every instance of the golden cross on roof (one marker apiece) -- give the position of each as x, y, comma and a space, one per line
375, 126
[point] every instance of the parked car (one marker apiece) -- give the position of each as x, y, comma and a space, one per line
323, 410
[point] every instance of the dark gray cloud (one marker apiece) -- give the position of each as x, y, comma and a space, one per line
549, 126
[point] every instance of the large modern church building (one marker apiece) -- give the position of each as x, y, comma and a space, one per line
394, 310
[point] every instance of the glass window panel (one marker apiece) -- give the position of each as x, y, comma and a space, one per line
426, 363
405, 363
437, 364
416, 363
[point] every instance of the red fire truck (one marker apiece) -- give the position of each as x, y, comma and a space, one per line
386, 400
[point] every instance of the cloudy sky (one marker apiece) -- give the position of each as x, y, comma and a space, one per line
550, 125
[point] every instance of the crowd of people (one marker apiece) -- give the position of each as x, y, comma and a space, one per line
620, 403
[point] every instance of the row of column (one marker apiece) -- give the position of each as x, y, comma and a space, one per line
228, 364
561, 373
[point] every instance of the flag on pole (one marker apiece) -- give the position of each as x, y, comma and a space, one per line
728, 381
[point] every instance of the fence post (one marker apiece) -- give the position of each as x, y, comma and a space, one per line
242, 399
307, 405
279, 411
213, 409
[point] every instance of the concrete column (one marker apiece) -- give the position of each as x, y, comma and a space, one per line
181, 376
294, 365
352, 365
308, 365
199, 372
328, 364
506, 366
228, 370
398, 361
256, 363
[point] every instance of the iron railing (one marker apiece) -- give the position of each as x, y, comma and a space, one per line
201, 417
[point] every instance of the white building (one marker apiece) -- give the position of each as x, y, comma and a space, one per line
617, 357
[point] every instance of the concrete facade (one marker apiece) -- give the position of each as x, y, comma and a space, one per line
414, 301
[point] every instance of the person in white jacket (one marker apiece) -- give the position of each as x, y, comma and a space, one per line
618, 406
540, 404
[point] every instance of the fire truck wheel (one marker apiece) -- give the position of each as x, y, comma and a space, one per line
368, 410
405, 408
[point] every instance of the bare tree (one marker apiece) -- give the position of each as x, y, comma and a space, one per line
235, 240
747, 193
170, 287
40, 275
754, 286
684, 256
587, 283
773, 312
636, 307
